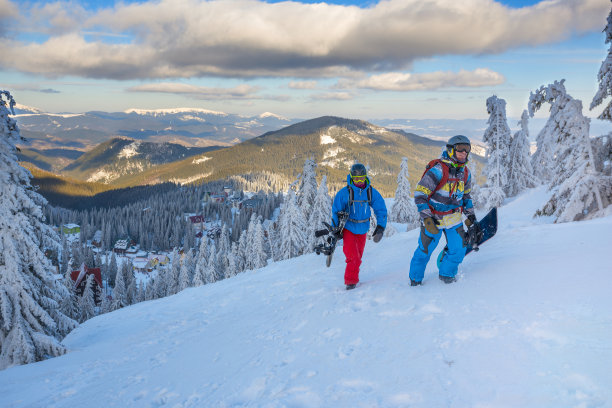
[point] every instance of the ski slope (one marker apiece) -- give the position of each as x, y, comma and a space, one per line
528, 324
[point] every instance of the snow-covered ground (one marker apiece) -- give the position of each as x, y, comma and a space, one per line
528, 324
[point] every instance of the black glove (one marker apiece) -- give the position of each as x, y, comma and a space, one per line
431, 225
474, 232
378, 233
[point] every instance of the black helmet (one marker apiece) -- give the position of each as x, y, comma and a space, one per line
358, 169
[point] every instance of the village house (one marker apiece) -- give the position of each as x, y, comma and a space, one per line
142, 265
121, 246
97, 239
158, 259
79, 278
69, 229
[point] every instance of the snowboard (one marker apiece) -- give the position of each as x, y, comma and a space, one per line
332, 240
488, 224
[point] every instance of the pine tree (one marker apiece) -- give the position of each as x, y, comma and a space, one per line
186, 273
120, 298
293, 227
210, 272
404, 210
173, 277
307, 188
199, 277
31, 322
232, 267
258, 253
498, 137
604, 77
520, 172
577, 185
87, 305
321, 212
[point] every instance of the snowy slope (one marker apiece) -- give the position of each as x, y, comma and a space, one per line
528, 324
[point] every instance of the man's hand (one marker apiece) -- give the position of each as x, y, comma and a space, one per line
431, 225
378, 233
474, 231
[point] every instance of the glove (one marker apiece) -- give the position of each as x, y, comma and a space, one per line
431, 225
474, 231
378, 233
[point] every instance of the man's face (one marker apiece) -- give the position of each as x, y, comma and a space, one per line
359, 181
462, 151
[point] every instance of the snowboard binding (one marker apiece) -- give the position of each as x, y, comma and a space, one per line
334, 234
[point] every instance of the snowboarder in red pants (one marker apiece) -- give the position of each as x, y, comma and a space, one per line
356, 199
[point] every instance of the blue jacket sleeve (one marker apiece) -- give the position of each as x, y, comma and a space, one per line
379, 207
340, 204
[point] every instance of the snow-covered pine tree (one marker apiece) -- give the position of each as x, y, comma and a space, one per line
210, 272
520, 172
604, 77
576, 185
69, 304
87, 304
186, 273
112, 270
258, 252
307, 188
321, 212
199, 277
292, 226
173, 275
120, 298
497, 137
404, 210
31, 322
250, 239
232, 267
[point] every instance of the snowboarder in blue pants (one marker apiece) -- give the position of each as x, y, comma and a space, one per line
442, 196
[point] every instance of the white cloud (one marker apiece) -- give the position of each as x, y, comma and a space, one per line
331, 96
399, 81
200, 92
303, 84
244, 38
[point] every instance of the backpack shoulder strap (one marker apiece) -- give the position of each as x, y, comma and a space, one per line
466, 174
351, 194
444, 178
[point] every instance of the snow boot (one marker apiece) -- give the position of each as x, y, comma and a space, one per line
447, 279
351, 286
415, 283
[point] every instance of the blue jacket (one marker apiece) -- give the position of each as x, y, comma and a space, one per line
359, 211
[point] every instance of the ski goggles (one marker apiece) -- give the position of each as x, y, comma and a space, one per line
463, 148
359, 179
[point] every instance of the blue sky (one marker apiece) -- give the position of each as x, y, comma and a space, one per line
392, 59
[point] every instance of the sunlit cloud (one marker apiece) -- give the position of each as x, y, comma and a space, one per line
201, 92
333, 96
249, 38
303, 84
399, 81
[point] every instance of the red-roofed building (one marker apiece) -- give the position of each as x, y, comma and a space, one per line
80, 279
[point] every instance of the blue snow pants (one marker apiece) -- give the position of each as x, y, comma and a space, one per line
429, 242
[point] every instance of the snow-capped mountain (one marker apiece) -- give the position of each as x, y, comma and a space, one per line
187, 126
528, 324
121, 156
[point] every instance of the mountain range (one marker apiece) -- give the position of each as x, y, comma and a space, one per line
334, 143
191, 127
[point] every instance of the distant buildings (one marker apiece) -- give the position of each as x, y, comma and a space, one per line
69, 229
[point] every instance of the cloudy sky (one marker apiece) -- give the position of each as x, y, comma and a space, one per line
366, 60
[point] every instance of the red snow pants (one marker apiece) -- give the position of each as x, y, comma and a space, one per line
353, 251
